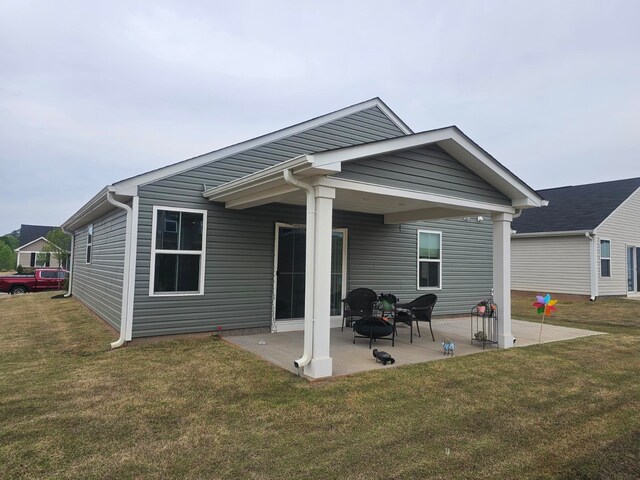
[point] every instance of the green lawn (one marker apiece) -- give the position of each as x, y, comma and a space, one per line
611, 315
201, 408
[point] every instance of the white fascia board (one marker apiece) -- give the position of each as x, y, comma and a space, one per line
97, 207
568, 233
393, 117
99, 199
255, 178
31, 242
268, 178
176, 168
456, 144
432, 198
428, 214
635, 192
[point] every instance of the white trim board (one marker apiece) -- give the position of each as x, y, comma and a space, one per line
418, 260
456, 144
202, 253
294, 324
595, 230
129, 186
200, 160
19, 249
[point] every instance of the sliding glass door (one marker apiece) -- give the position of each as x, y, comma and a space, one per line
290, 271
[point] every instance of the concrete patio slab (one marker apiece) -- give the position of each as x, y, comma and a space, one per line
283, 348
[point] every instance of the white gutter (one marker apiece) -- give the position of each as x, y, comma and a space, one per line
73, 238
124, 318
592, 265
567, 233
309, 267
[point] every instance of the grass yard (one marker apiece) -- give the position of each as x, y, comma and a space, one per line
201, 408
611, 315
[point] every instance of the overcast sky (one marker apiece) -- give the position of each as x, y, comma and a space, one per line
92, 92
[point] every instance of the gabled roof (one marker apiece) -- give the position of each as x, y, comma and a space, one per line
576, 208
185, 165
31, 243
29, 233
127, 188
269, 183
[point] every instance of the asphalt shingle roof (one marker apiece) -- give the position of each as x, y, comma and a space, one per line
29, 233
576, 207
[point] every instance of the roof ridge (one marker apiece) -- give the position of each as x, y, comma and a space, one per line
192, 162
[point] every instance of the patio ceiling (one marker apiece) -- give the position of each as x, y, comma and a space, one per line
398, 205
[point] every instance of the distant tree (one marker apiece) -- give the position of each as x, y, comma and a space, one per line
11, 240
7, 257
59, 245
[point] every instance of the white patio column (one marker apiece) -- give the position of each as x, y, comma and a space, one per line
502, 275
321, 363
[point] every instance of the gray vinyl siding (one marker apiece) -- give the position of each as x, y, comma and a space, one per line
427, 169
551, 264
99, 284
240, 268
239, 259
622, 228
384, 258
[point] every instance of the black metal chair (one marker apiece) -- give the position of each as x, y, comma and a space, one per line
358, 303
419, 310
405, 317
373, 328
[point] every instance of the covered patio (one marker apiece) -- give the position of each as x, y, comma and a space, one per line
395, 179
279, 348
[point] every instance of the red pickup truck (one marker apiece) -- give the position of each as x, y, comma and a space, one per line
42, 279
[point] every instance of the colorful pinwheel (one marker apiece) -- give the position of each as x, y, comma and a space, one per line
545, 306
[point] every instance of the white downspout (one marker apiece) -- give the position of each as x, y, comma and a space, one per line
73, 238
309, 267
592, 266
125, 278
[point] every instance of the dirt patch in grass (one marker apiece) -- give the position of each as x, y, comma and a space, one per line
200, 408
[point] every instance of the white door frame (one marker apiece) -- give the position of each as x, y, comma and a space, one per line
294, 324
634, 267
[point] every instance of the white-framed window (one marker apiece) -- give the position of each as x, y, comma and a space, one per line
178, 246
89, 242
429, 268
605, 258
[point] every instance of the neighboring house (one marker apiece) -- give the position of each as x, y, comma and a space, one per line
219, 240
31, 252
587, 241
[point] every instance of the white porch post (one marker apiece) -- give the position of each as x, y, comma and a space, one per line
502, 275
321, 363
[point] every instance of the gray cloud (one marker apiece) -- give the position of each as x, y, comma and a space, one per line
92, 92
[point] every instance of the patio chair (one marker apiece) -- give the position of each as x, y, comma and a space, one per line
373, 328
419, 310
358, 303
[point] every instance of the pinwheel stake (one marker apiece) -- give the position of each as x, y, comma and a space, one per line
545, 306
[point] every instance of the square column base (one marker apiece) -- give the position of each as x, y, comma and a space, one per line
319, 368
505, 341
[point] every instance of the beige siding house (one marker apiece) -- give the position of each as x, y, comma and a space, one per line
31, 252
586, 242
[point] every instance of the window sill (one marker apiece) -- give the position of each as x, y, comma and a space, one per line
177, 294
